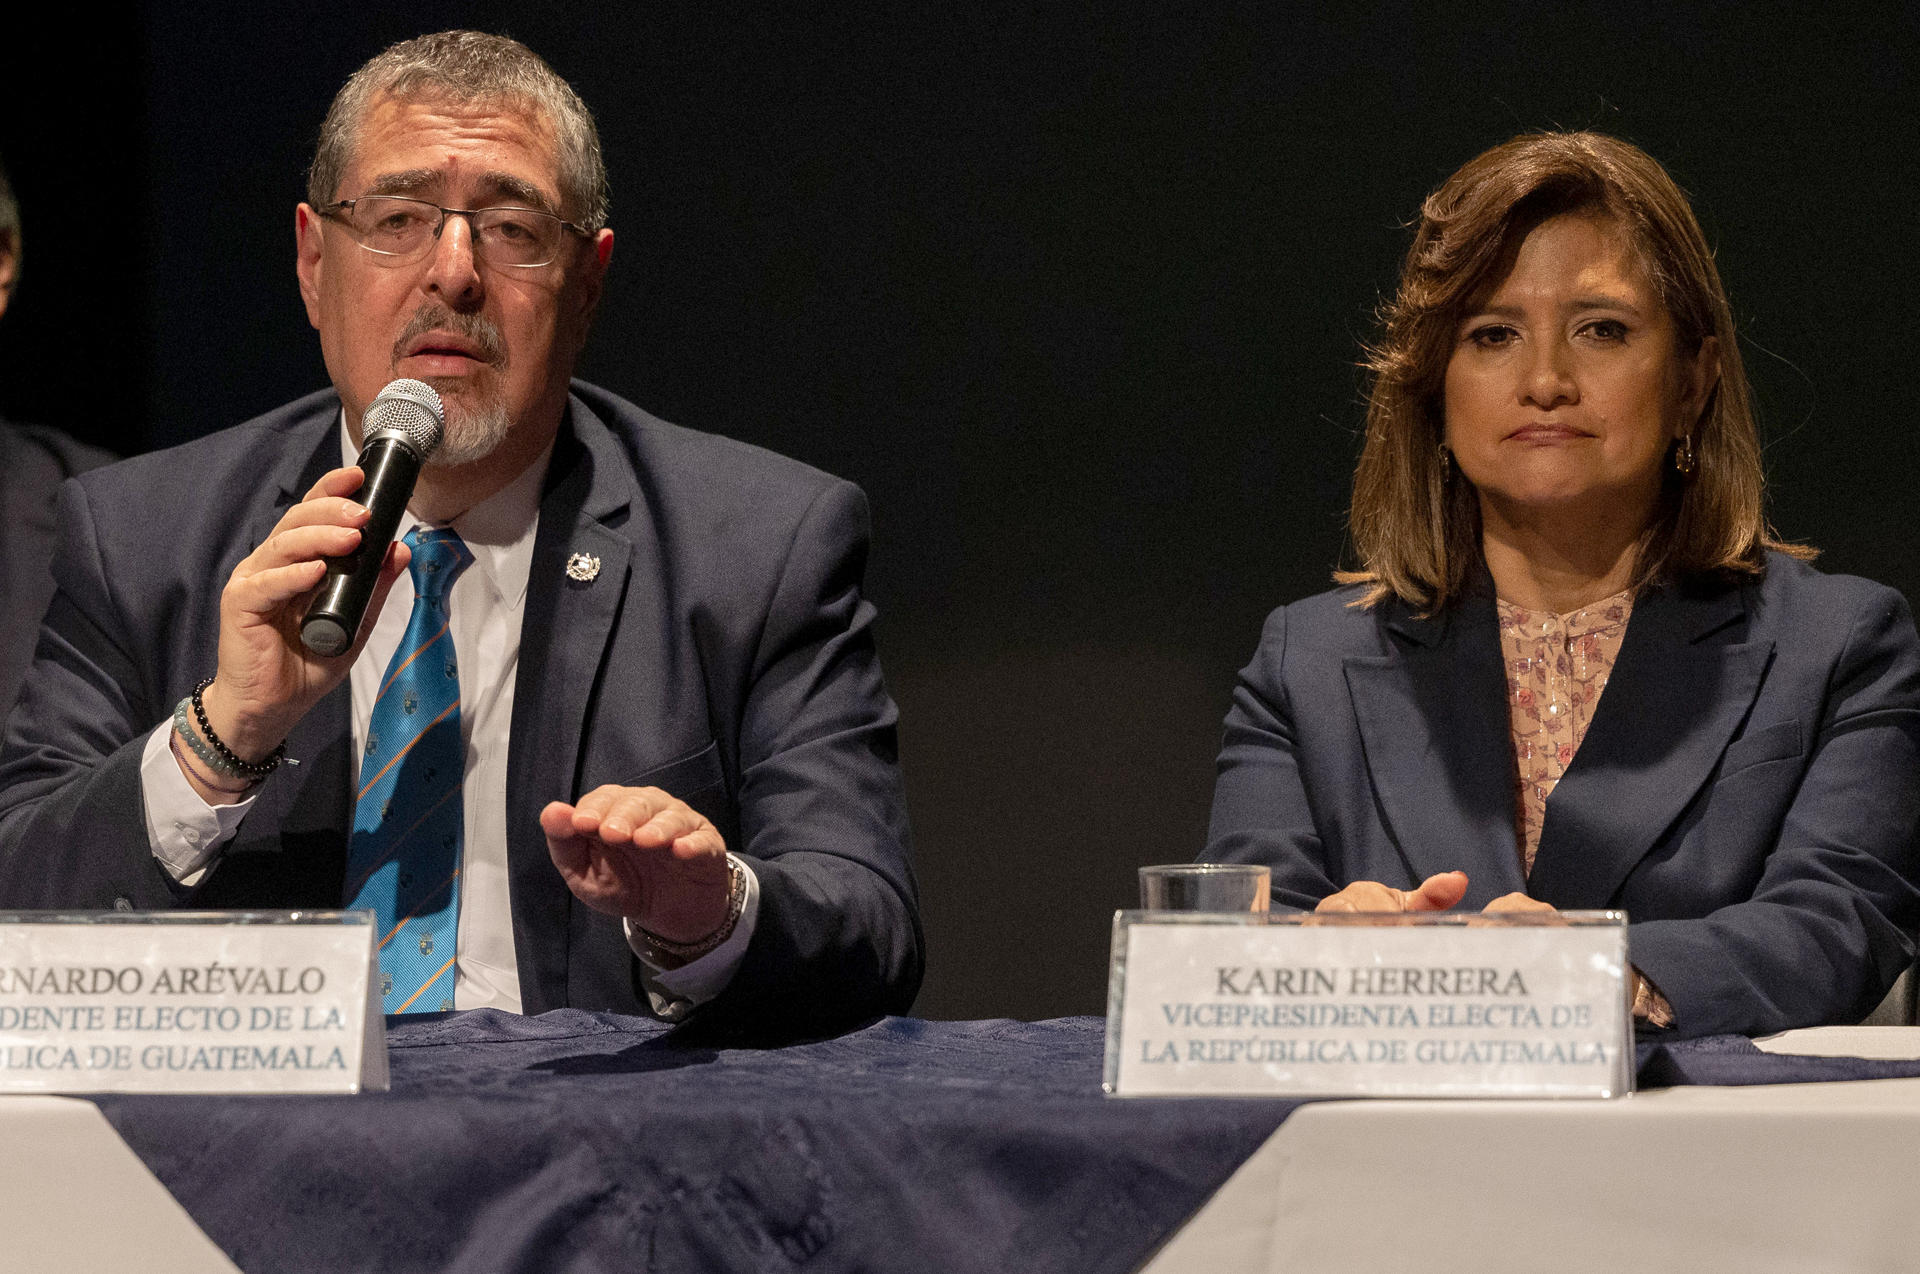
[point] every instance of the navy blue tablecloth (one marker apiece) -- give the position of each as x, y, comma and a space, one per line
583, 1142
575, 1141
1726, 1060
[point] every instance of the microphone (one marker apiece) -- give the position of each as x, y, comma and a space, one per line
401, 428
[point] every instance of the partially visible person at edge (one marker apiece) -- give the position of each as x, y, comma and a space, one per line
1575, 669
34, 461
618, 741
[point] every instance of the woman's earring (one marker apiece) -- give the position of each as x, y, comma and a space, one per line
1683, 463
1446, 465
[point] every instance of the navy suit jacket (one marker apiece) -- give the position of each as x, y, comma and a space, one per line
724, 653
1748, 790
33, 463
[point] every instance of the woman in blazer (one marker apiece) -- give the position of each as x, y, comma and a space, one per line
1575, 669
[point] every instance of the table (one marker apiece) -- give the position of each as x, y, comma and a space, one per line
575, 1141
579, 1141
73, 1197
1790, 1178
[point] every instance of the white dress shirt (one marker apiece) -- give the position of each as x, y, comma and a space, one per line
487, 604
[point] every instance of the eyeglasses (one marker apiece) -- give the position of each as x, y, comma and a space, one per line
402, 231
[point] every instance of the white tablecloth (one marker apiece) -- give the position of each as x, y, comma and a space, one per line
1794, 1178
74, 1198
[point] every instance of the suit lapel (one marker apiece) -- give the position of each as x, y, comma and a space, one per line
1673, 701
319, 811
296, 475
1438, 746
309, 808
563, 642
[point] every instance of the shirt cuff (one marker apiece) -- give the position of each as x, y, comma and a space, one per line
674, 993
185, 832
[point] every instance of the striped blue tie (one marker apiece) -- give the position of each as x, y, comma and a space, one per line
404, 859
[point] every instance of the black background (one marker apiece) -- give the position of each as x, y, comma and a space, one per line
1074, 291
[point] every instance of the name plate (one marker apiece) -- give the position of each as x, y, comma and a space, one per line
190, 1002
1415, 1005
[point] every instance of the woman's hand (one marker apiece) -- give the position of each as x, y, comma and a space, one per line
1520, 903
1436, 893
1517, 902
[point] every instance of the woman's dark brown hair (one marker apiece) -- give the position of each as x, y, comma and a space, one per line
1415, 527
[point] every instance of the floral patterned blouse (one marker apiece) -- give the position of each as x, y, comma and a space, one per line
1557, 667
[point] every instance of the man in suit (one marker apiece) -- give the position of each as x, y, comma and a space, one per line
673, 783
34, 461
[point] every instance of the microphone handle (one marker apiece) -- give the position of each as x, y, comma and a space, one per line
334, 616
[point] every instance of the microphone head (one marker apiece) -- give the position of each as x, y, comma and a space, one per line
407, 411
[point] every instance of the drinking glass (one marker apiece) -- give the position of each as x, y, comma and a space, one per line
1205, 887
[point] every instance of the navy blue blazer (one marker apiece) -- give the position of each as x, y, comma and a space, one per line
1748, 790
33, 463
723, 653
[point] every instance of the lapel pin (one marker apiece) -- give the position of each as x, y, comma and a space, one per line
584, 567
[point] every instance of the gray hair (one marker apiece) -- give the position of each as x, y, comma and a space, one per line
468, 66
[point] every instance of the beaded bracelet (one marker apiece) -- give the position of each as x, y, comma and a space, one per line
183, 729
736, 902
201, 776
226, 762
